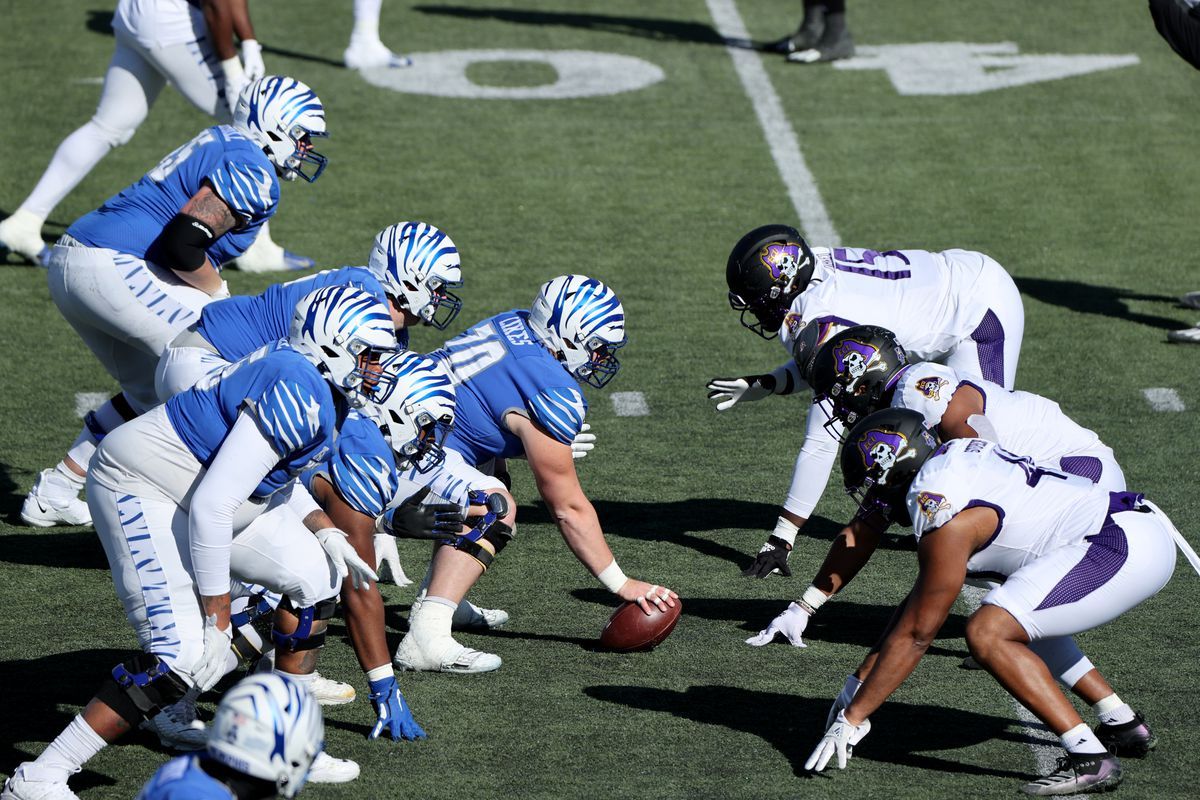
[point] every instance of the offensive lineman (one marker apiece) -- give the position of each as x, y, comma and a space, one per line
131, 275
956, 307
171, 489
1074, 556
517, 378
187, 43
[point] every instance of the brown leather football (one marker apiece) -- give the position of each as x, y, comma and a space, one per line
630, 629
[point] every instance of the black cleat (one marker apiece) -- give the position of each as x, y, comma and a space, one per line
1078, 775
1133, 738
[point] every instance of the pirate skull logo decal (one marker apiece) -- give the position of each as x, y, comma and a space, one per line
853, 360
881, 450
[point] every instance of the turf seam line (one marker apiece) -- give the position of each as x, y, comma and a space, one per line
630, 404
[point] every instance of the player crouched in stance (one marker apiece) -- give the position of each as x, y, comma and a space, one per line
517, 376
199, 491
265, 736
1072, 554
132, 274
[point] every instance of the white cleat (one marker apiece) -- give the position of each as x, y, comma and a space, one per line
1191, 299
374, 56
54, 501
22, 234
327, 769
1185, 336
266, 256
23, 785
178, 727
331, 693
469, 616
443, 655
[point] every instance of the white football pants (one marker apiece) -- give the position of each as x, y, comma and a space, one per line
126, 311
991, 350
181, 368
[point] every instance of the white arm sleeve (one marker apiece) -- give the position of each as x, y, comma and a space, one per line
239, 466
787, 378
813, 465
296, 496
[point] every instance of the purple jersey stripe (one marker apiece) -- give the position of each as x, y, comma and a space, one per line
989, 340
1088, 467
1104, 557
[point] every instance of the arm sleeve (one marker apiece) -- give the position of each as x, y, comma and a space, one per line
248, 189
245, 457
813, 464
559, 411
296, 496
787, 378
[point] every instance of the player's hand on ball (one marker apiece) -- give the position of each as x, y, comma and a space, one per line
645, 594
583, 443
772, 558
728, 392
791, 623
839, 739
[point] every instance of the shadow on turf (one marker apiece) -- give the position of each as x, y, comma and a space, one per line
80, 550
656, 28
1104, 301
793, 724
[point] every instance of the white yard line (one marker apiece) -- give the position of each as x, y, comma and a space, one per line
781, 138
1162, 399
89, 401
630, 404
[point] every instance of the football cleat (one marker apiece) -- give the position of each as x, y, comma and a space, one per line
443, 655
374, 56
178, 727
54, 501
327, 769
24, 785
1133, 738
331, 693
1075, 774
266, 256
835, 44
1191, 299
1185, 336
469, 616
21, 233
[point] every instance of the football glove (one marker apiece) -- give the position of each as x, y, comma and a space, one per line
215, 657
393, 713
772, 558
345, 558
728, 392
386, 555
791, 623
411, 520
849, 689
583, 443
252, 61
840, 738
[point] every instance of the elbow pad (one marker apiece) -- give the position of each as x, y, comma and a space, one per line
183, 243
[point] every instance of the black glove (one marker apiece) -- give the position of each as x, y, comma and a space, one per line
411, 520
773, 556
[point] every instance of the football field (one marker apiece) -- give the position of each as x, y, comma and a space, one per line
636, 142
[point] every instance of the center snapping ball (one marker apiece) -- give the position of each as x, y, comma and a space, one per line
630, 629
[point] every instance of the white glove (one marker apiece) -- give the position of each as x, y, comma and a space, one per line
849, 689
386, 555
235, 81
215, 658
345, 559
222, 293
728, 392
791, 623
252, 61
840, 738
583, 443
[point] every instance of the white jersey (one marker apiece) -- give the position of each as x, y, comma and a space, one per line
929, 300
160, 23
1040, 509
1022, 422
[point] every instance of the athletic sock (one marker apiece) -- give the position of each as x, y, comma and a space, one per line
306, 679
1112, 710
366, 23
1080, 741
67, 754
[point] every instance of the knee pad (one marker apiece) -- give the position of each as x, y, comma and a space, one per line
250, 628
303, 637
495, 533
139, 688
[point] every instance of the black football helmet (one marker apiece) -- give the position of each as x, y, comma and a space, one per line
881, 456
767, 268
855, 371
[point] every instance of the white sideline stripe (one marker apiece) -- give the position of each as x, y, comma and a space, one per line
89, 401
1047, 747
89, 81
781, 139
1162, 399
630, 404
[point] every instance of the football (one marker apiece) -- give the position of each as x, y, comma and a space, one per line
629, 629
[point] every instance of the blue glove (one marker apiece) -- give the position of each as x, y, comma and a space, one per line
393, 711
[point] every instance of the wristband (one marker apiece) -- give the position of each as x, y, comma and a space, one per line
612, 577
786, 531
812, 599
380, 673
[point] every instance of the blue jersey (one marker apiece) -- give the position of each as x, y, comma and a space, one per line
293, 405
182, 779
240, 325
222, 157
498, 366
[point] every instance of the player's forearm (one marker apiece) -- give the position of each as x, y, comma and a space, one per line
241, 20
786, 379
206, 279
580, 529
219, 17
814, 464
848, 554
219, 606
899, 656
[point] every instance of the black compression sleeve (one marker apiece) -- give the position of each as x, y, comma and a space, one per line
183, 242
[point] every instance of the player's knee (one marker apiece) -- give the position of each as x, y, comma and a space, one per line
987, 628
302, 628
114, 134
141, 687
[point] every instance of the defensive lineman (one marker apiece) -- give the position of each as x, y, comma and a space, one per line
187, 43
517, 376
1074, 556
170, 490
134, 273
956, 307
